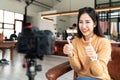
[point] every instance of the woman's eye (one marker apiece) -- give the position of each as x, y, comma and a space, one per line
87, 22
80, 22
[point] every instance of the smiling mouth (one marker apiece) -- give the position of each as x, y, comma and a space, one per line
84, 31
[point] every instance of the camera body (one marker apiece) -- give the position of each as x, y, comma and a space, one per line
36, 43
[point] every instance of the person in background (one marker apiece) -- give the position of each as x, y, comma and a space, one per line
13, 36
73, 26
65, 35
90, 52
72, 31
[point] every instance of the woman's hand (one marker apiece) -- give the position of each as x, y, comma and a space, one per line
90, 51
68, 48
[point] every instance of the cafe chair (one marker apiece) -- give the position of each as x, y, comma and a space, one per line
113, 67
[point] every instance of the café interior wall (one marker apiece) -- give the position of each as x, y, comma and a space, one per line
19, 7
63, 22
16, 6
59, 23
32, 11
46, 24
73, 20
68, 5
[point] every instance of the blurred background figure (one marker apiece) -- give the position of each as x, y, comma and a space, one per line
13, 36
72, 31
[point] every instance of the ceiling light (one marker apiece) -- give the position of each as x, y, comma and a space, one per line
107, 9
47, 18
76, 12
60, 13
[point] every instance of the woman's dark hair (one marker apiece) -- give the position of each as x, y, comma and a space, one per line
94, 16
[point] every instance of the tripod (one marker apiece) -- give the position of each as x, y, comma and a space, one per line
32, 68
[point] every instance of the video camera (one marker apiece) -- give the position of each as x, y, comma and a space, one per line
35, 43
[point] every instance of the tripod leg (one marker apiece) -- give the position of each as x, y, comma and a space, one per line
31, 77
31, 71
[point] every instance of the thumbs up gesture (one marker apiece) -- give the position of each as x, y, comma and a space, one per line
90, 50
68, 48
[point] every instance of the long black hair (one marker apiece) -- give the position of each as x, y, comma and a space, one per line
94, 16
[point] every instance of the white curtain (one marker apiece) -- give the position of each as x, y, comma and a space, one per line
104, 26
113, 27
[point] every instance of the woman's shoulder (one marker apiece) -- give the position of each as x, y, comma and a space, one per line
76, 39
103, 40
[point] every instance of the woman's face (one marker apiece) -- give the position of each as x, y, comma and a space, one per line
86, 25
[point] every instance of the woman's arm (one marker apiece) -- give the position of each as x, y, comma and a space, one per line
99, 67
74, 60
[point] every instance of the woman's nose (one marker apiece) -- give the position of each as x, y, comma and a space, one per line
83, 25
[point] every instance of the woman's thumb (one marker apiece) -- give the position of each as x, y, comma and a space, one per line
90, 40
68, 40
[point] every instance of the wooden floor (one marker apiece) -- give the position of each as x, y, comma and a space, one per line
15, 71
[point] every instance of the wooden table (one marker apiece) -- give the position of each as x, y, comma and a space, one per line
8, 44
117, 44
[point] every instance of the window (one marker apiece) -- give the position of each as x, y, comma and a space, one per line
8, 26
8, 17
110, 19
1, 30
0, 25
18, 16
1, 15
18, 27
8, 22
8, 32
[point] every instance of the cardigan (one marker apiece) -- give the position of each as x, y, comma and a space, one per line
82, 64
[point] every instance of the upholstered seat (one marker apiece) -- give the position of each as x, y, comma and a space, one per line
113, 67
